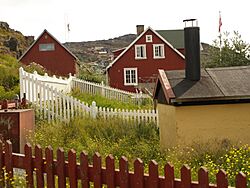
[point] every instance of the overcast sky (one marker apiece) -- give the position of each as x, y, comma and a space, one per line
104, 19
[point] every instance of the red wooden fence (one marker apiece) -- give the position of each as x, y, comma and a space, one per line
83, 173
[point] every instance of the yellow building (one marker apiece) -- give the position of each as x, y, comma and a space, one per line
214, 106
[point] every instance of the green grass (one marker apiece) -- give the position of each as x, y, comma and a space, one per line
142, 141
108, 103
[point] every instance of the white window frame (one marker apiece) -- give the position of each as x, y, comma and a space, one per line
130, 77
46, 47
143, 46
149, 38
162, 53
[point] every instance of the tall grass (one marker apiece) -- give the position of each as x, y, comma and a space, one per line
142, 141
108, 103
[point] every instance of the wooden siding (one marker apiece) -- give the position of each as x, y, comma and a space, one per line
147, 68
58, 62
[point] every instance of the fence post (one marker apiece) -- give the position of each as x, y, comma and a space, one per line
21, 81
102, 84
69, 83
93, 110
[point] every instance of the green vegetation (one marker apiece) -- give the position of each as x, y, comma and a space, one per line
85, 73
142, 141
36, 67
234, 51
108, 103
9, 79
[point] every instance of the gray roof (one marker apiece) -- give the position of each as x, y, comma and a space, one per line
217, 83
174, 37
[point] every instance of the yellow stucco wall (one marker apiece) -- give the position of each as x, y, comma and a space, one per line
188, 124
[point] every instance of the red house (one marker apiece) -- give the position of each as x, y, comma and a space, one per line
137, 65
52, 55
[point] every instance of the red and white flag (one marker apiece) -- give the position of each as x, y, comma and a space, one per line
220, 22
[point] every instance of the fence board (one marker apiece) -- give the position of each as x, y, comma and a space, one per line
72, 169
110, 168
28, 165
241, 180
84, 170
49, 167
221, 179
169, 175
2, 178
61, 168
97, 168
39, 166
203, 178
8, 162
153, 180
138, 181
124, 173
186, 176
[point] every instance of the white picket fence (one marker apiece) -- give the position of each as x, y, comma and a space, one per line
28, 84
108, 92
52, 102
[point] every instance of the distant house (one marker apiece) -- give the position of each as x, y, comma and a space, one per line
138, 64
52, 55
202, 105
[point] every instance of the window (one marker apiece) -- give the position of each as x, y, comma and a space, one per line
149, 38
47, 47
140, 51
130, 76
158, 51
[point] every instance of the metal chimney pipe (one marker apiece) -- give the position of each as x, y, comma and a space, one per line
192, 50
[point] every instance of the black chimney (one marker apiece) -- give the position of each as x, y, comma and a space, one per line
192, 50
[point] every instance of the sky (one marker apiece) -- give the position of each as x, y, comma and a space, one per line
104, 19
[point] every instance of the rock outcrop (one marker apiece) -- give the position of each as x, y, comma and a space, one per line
13, 42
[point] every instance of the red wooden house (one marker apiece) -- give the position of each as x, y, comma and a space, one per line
137, 65
51, 54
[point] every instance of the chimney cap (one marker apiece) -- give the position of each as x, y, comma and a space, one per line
189, 20
192, 20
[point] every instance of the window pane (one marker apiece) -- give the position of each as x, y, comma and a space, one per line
132, 76
141, 55
140, 51
47, 47
160, 54
127, 76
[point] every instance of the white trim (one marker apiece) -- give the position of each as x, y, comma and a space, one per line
162, 51
157, 34
144, 51
124, 77
149, 38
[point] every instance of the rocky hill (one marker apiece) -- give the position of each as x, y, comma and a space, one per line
98, 54
13, 42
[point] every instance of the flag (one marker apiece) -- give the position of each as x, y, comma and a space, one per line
220, 22
68, 27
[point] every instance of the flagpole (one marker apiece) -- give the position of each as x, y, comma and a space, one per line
220, 36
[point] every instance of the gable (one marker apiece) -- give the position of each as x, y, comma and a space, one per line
141, 39
47, 38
